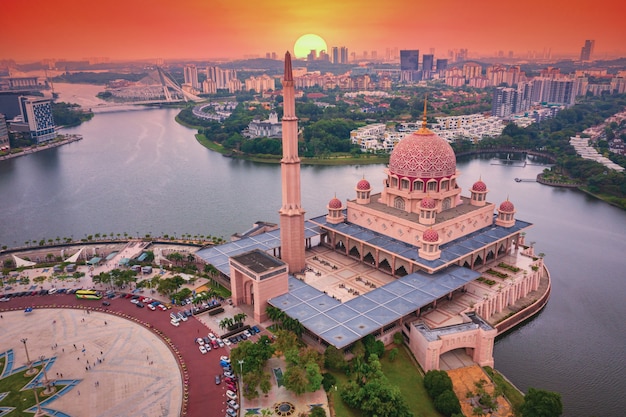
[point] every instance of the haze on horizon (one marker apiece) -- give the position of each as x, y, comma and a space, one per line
201, 29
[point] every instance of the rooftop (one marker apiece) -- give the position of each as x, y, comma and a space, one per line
257, 261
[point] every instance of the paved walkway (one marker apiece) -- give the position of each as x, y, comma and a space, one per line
122, 369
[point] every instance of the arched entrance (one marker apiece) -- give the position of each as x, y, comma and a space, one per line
456, 358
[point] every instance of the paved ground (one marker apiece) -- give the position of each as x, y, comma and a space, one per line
122, 368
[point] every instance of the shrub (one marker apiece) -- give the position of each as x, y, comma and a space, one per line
436, 382
447, 403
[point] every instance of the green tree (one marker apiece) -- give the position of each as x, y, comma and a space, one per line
334, 358
541, 403
436, 382
447, 403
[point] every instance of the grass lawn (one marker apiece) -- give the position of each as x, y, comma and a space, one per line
403, 373
510, 392
16, 397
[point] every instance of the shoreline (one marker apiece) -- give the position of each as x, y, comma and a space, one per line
43, 147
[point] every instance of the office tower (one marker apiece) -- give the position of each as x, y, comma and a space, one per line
409, 60
442, 65
428, 60
291, 212
191, 76
586, 51
334, 53
343, 55
37, 112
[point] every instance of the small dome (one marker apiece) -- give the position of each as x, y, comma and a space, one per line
430, 236
507, 206
335, 203
428, 203
363, 185
479, 186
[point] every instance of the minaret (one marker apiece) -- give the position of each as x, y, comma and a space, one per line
291, 212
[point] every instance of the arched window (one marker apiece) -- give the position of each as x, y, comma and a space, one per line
404, 184
432, 185
398, 203
418, 185
444, 185
446, 203
394, 182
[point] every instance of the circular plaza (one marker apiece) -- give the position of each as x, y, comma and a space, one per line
100, 364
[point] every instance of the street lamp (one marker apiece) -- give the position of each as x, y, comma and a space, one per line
240, 366
39, 413
46, 381
30, 371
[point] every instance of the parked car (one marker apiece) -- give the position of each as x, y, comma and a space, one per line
231, 395
212, 336
227, 342
106, 303
228, 373
233, 404
256, 329
151, 307
202, 349
231, 412
214, 344
200, 341
220, 342
139, 304
225, 358
217, 380
174, 323
162, 307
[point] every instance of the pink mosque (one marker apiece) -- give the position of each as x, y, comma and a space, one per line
448, 271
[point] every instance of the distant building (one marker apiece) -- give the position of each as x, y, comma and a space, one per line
409, 60
4, 135
427, 66
37, 113
270, 128
586, 51
191, 76
221, 76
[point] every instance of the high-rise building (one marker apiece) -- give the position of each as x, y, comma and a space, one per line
427, 62
221, 76
191, 76
409, 60
504, 102
37, 112
4, 135
586, 51
343, 55
442, 65
334, 53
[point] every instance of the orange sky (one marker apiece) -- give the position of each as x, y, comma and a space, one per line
137, 29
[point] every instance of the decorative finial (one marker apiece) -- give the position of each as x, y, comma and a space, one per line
424, 117
288, 71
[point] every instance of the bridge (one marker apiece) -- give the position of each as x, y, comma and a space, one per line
158, 87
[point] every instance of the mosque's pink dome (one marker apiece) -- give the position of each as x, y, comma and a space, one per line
423, 154
335, 203
430, 235
479, 186
507, 206
428, 203
363, 185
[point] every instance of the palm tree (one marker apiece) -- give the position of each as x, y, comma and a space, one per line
240, 317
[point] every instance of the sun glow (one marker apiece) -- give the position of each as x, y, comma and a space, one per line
308, 42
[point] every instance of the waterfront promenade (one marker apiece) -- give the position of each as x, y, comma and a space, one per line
42, 147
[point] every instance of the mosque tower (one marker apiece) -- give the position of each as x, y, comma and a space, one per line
291, 213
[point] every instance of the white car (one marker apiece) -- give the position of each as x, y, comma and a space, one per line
247, 333
151, 307
212, 336
227, 342
134, 300
4, 299
181, 316
174, 323
225, 359
220, 342
52, 290
231, 395
202, 349
200, 341
233, 404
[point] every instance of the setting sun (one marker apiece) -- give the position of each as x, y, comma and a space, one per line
308, 42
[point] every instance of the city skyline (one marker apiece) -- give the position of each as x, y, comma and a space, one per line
192, 29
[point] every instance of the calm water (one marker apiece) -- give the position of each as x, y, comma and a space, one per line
139, 172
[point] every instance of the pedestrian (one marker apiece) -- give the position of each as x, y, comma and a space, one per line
79, 392
74, 345
63, 349
61, 375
